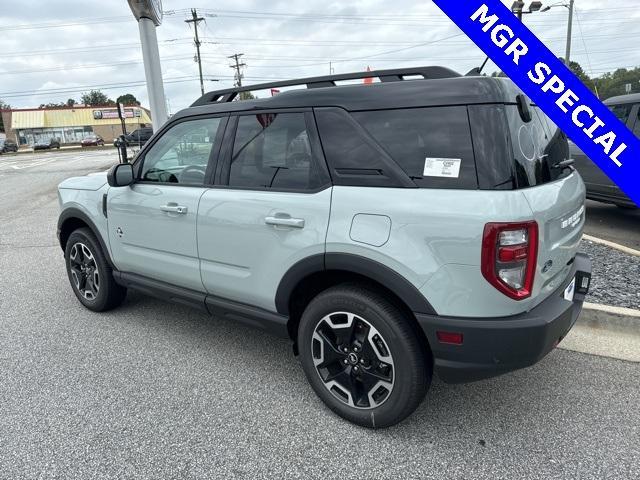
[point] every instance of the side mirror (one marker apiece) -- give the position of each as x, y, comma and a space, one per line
120, 175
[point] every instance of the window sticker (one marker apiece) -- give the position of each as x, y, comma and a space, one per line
442, 167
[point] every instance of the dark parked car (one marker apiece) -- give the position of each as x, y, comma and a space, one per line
7, 146
599, 186
47, 144
136, 138
92, 141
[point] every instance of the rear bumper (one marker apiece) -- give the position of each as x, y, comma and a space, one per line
493, 346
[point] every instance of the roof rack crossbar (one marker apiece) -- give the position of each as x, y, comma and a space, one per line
394, 75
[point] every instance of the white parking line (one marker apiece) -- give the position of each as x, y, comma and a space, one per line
59, 159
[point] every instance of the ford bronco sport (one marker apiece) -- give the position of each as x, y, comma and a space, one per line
390, 230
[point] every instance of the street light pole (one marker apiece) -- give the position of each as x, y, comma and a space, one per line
570, 6
569, 33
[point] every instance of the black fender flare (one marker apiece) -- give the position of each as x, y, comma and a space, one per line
357, 264
75, 213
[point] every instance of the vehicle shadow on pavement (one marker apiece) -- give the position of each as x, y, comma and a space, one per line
516, 404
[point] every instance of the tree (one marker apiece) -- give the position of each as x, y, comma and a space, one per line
3, 106
96, 98
128, 99
579, 72
71, 102
614, 83
246, 96
52, 105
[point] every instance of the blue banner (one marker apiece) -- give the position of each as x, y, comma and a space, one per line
552, 86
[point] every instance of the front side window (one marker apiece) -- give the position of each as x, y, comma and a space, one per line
182, 154
272, 151
636, 128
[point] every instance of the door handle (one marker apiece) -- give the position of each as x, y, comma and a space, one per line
173, 208
285, 221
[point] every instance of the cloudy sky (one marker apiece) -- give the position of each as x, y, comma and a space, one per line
55, 50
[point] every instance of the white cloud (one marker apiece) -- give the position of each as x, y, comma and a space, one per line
104, 48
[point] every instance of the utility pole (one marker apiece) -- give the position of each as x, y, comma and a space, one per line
195, 20
237, 66
569, 32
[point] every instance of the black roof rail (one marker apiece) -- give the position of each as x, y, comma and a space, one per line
393, 75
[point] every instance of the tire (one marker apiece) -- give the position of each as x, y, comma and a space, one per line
89, 273
380, 341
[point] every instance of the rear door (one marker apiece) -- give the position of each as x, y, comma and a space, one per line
152, 223
556, 196
270, 210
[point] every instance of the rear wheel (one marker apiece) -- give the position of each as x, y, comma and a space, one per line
362, 356
89, 273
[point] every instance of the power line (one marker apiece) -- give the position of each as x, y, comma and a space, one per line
95, 65
85, 49
58, 24
196, 20
82, 88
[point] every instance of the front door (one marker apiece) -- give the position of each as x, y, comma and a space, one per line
152, 223
271, 210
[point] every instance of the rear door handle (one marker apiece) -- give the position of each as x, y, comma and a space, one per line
285, 221
174, 208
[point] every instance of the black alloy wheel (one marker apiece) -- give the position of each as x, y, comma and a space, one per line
353, 360
84, 271
90, 275
363, 356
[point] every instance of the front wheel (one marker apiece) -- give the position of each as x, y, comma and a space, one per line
362, 356
90, 274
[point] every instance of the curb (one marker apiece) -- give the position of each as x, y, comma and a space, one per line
605, 317
614, 245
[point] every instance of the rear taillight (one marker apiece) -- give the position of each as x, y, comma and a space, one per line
509, 256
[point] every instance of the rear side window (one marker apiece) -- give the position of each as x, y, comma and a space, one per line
432, 145
636, 128
273, 151
354, 157
492, 148
538, 146
622, 111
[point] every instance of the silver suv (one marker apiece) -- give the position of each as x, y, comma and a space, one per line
391, 230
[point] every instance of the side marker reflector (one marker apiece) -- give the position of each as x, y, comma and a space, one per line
452, 338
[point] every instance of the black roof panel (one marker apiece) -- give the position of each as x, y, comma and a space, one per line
456, 90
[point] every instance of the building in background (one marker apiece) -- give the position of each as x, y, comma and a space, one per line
70, 124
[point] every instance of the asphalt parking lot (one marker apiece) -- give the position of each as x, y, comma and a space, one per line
156, 390
614, 224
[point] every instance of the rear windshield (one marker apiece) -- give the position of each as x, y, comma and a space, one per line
432, 145
538, 146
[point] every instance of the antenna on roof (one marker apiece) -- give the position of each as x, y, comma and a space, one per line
478, 70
